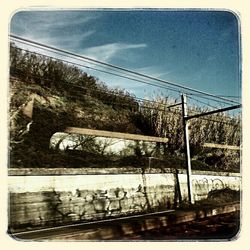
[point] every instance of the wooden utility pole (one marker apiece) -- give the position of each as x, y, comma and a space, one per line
187, 148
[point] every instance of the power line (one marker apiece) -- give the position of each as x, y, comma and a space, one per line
107, 92
167, 108
111, 73
209, 99
152, 108
216, 121
138, 79
202, 102
103, 71
62, 54
106, 72
230, 96
134, 98
122, 69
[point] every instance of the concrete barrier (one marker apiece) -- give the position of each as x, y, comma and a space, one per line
41, 198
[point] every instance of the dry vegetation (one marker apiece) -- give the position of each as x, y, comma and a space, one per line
67, 96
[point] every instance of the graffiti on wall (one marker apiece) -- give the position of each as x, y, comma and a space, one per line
41, 208
84, 205
203, 186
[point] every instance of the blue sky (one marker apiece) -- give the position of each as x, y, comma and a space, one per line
198, 49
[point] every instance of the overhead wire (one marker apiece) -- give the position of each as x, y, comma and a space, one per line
229, 96
134, 98
209, 99
111, 73
103, 71
134, 79
199, 101
93, 63
166, 108
125, 70
216, 121
122, 76
134, 76
62, 54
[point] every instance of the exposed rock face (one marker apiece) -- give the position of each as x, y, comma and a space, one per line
36, 114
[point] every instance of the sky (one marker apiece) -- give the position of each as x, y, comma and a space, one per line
197, 49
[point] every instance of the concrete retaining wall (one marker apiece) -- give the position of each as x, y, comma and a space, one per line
55, 196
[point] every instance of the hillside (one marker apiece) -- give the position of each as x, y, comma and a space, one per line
47, 95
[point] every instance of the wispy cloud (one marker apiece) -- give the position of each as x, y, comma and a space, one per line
48, 21
59, 20
73, 41
62, 29
109, 51
154, 71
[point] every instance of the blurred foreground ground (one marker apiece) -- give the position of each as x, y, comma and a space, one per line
214, 223
223, 226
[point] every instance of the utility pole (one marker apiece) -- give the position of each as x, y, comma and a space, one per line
187, 148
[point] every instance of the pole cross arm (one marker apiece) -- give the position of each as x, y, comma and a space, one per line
212, 112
